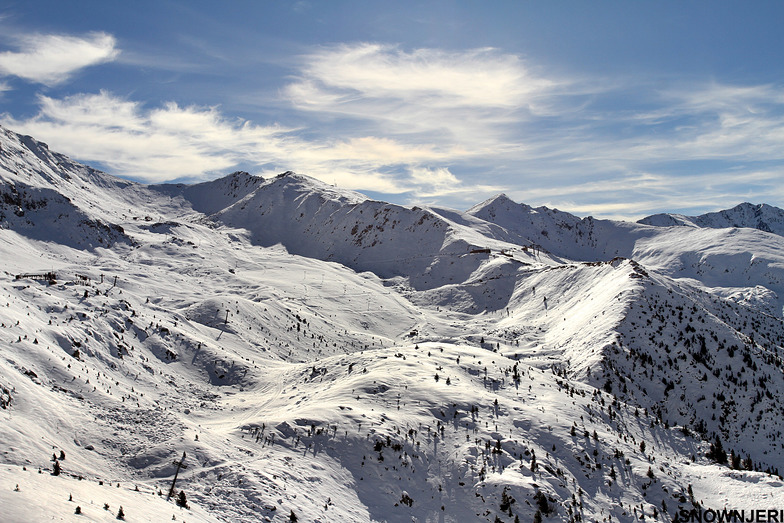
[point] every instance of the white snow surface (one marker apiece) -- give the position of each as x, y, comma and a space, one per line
323, 356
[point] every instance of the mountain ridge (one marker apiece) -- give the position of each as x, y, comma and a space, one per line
762, 217
319, 353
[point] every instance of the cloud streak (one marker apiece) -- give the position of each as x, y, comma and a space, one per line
52, 59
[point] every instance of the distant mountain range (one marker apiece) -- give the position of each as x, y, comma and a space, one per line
763, 217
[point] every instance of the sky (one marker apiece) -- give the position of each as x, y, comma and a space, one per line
616, 109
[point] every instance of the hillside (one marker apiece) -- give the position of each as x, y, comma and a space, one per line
318, 353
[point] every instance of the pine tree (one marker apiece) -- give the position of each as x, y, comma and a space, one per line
182, 500
121, 514
56, 469
293, 517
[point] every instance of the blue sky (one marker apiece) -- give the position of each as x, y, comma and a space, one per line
614, 109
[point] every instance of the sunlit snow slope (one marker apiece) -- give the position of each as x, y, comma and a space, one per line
321, 356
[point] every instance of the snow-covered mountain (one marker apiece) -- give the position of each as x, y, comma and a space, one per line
742, 263
321, 356
762, 217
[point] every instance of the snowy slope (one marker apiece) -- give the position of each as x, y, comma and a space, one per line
317, 353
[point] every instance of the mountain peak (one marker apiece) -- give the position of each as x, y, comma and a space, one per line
303, 183
498, 201
212, 196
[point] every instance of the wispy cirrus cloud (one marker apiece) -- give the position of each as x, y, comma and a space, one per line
51, 59
475, 77
447, 97
733, 121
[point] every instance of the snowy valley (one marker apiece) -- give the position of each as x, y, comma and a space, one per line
322, 356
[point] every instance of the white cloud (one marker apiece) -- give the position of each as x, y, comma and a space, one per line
434, 184
448, 97
52, 59
173, 142
475, 78
151, 145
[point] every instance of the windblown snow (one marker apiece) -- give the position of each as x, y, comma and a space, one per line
321, 356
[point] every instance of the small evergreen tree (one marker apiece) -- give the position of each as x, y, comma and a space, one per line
182, 500
121, 514
56, 469
293, 517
